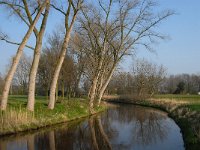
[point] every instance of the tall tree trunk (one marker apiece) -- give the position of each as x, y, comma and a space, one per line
100, 83
93, 88
103, 88
57, 72
32, 77
60, 62
92, 94
35, 63
15, 62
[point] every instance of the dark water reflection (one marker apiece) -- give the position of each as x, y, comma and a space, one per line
122, 128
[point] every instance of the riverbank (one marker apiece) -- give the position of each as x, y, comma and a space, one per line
17, 119
186, 114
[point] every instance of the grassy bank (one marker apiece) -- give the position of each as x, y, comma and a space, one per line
16, 118
184, 109
190, 101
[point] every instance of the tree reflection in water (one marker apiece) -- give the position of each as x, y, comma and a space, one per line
137, 126
99, 137
123, 127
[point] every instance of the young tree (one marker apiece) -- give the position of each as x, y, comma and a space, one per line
75, 6
16, 7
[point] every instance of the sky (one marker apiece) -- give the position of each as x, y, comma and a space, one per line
179, 54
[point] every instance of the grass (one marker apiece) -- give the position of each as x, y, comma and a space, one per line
178, 97
191, 101
190, 134
17, 118
195, 107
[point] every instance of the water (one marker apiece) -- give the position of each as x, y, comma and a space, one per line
124, 127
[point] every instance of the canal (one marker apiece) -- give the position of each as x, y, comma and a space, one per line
121, 127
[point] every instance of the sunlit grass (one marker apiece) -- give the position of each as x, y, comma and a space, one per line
18, 118
191, 101
179, 97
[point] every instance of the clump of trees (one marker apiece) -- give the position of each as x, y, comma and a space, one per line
106, 40
144, 80
67, 79
105, 33
181, 84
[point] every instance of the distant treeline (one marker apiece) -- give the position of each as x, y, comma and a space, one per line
181, 84
145, 86
144, 80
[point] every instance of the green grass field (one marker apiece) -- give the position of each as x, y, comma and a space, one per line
18, 118
193, 101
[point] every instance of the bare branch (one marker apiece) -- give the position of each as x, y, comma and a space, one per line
15, 43
58, 9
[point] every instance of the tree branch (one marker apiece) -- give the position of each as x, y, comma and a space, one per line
14, 43
58, 9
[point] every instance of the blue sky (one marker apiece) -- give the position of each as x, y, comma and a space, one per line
180, 54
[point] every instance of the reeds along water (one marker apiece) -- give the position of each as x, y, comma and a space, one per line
15, 117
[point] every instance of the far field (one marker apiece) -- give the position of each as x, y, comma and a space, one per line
192, 101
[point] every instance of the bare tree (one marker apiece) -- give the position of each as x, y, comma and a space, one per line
80, 59
75, 6
136, 23
147, 77
49, 57
109, 38
15, 7
22, 73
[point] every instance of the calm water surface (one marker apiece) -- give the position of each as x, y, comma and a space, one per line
124, 127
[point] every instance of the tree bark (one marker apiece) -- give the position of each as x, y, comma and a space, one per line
103, 88
92, 94
93, 88
15, 62
35, 63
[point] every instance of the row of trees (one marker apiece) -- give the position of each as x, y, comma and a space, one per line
143, 81
104, 33
30, 12
147, 79
69, 78
181, 84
